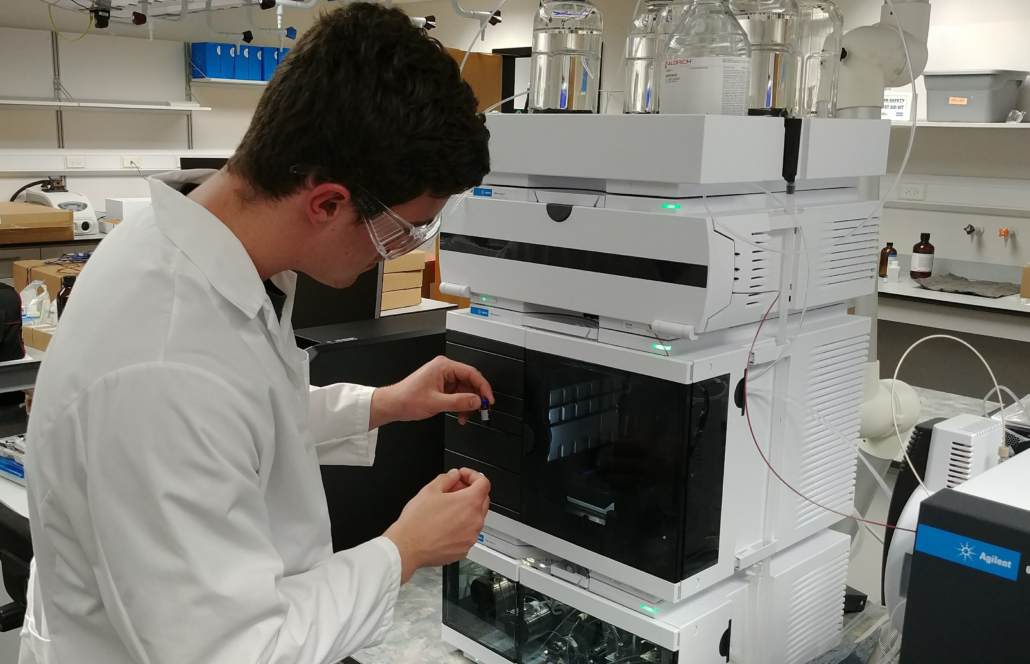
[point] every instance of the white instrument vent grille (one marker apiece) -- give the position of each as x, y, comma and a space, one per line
816, 613
755, 269
826, 468
846, 258
960, 461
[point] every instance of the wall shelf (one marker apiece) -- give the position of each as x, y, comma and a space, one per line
961, 125
106, 162
99, 105
930, 206
227, 81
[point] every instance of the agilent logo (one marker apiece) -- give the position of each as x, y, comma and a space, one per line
968, 552
995, 560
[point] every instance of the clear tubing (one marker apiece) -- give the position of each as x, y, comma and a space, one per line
505, 101
482, 30
1015, 399
894, 414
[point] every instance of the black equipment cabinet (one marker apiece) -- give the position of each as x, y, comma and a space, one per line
364, 501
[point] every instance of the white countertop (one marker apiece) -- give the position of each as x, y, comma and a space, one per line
907, 287
425, 305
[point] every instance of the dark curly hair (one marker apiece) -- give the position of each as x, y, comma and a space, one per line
366, 99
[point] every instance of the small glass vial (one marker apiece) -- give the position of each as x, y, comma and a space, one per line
885, 256
566, 65
922, 258
640, 49
704, 63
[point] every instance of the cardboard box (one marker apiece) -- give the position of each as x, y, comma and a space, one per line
31, 214
38, 337
395, 281
401, 298
25, 272
27, 223
416, 260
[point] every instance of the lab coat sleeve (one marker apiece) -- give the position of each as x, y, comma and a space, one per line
185, 562
338, 421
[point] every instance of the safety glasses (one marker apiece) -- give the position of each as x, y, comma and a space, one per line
393, 235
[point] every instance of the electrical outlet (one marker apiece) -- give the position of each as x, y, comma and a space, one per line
130, 162
912, 192
75, 162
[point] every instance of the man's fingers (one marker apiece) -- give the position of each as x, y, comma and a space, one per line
446, 482
461, 402
463, 373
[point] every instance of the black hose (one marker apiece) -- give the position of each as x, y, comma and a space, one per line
31, 184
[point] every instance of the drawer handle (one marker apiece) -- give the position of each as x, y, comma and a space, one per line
559, 211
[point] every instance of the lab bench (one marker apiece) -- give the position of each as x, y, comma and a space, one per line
9, 253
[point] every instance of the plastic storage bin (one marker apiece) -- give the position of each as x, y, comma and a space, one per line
269, 61
972, 96
207, 59
228, 61
245, 69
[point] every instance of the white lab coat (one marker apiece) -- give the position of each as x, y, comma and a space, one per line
175, 499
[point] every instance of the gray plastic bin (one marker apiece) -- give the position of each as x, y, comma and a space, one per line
972, 96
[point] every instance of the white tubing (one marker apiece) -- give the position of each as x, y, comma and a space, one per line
480, 16
178, 19
894, 414
480, 33
505, 101
249, 8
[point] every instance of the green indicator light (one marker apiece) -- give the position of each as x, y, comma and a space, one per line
661, 347
649, 609
487, 298
671, 206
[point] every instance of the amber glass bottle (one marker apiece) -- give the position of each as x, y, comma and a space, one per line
922, 258
885, 256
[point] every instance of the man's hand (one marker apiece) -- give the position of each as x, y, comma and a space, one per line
441, 523
442, 386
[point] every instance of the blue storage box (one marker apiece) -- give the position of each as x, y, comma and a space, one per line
228, 60
256, 73
207, 59
242, 69
269, 61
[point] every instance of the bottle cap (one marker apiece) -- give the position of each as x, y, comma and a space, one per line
68, 280
890, 244
924, 237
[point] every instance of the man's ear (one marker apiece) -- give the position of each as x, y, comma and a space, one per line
326, 203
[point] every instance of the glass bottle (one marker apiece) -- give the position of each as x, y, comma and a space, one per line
773, 28
822, 36
922, 258
703, 63
67, 282
640, 50
566, 64
885, 256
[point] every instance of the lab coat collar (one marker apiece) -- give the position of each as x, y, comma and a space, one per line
206, 241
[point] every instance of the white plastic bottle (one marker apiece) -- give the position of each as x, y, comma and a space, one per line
704, 63
640, 49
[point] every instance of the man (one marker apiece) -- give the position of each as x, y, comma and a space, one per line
176, 505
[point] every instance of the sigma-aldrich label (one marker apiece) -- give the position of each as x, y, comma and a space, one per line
969, 552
